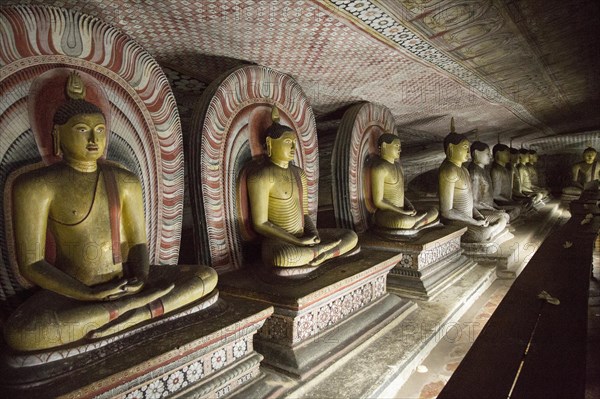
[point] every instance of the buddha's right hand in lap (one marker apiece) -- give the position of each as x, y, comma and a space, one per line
116, 289
309, 240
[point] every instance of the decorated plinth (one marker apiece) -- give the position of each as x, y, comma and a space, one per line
510, 252
489, 250
320, 317
427, 264
206, 354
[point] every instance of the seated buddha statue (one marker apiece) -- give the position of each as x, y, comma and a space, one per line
533, 174
583, 172
502, 179
393, 209
456, 194
277, 193
524, 170
481, 181
100, 282
519, 192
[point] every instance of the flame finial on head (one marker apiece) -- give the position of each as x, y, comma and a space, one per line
275, 114
75, 87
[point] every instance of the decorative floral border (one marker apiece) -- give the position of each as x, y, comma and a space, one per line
192, 372
389, 29
292, 330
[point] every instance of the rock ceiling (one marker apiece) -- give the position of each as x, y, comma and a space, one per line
514, 69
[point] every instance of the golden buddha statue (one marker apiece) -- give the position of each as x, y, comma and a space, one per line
533, 174
394, 210
520, 178
583, 172
456, 194
277, 192
524, 171
481, 182
502, 179
101, 282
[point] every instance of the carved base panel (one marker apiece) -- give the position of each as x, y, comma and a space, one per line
206, 354
510, 252
321, 317
487, 248
428, 264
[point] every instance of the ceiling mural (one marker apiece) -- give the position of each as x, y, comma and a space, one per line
507, 68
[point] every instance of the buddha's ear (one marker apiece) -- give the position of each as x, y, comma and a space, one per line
268, 145
56, 141
383, 147
450, 150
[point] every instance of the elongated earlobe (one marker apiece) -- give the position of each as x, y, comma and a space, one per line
56, 141
268, 142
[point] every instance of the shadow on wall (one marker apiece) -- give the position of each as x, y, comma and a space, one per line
556, 170
424, 185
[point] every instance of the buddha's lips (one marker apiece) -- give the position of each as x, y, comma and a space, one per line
92, 147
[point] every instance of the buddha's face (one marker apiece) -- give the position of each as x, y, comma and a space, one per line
483, 157
83, 137
459, 152
533, 158
523, 158
391, 150
514, 158
589, 157
503, 156
284, 147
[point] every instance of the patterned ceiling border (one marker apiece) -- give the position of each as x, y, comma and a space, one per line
386, 28
571, 143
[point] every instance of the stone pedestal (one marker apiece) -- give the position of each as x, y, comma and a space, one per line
320, 317
489, 249
509, 253
208, 353
428, 263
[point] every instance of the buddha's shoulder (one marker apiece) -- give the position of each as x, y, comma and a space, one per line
449, 167
121, 173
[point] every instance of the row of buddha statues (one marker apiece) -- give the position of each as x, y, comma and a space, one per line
84, 199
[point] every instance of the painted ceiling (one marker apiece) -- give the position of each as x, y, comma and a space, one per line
521, 70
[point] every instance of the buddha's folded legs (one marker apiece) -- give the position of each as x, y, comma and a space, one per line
393, 220
334, 242
575, 191
480, 233
48, 320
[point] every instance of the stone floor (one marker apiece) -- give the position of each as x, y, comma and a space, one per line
434, 372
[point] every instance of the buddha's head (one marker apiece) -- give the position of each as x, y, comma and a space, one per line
389, 147
533, 157
480, 153
79, 131
523, 156
280, 140
501, 153
456, 147
589, 155
514, 155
